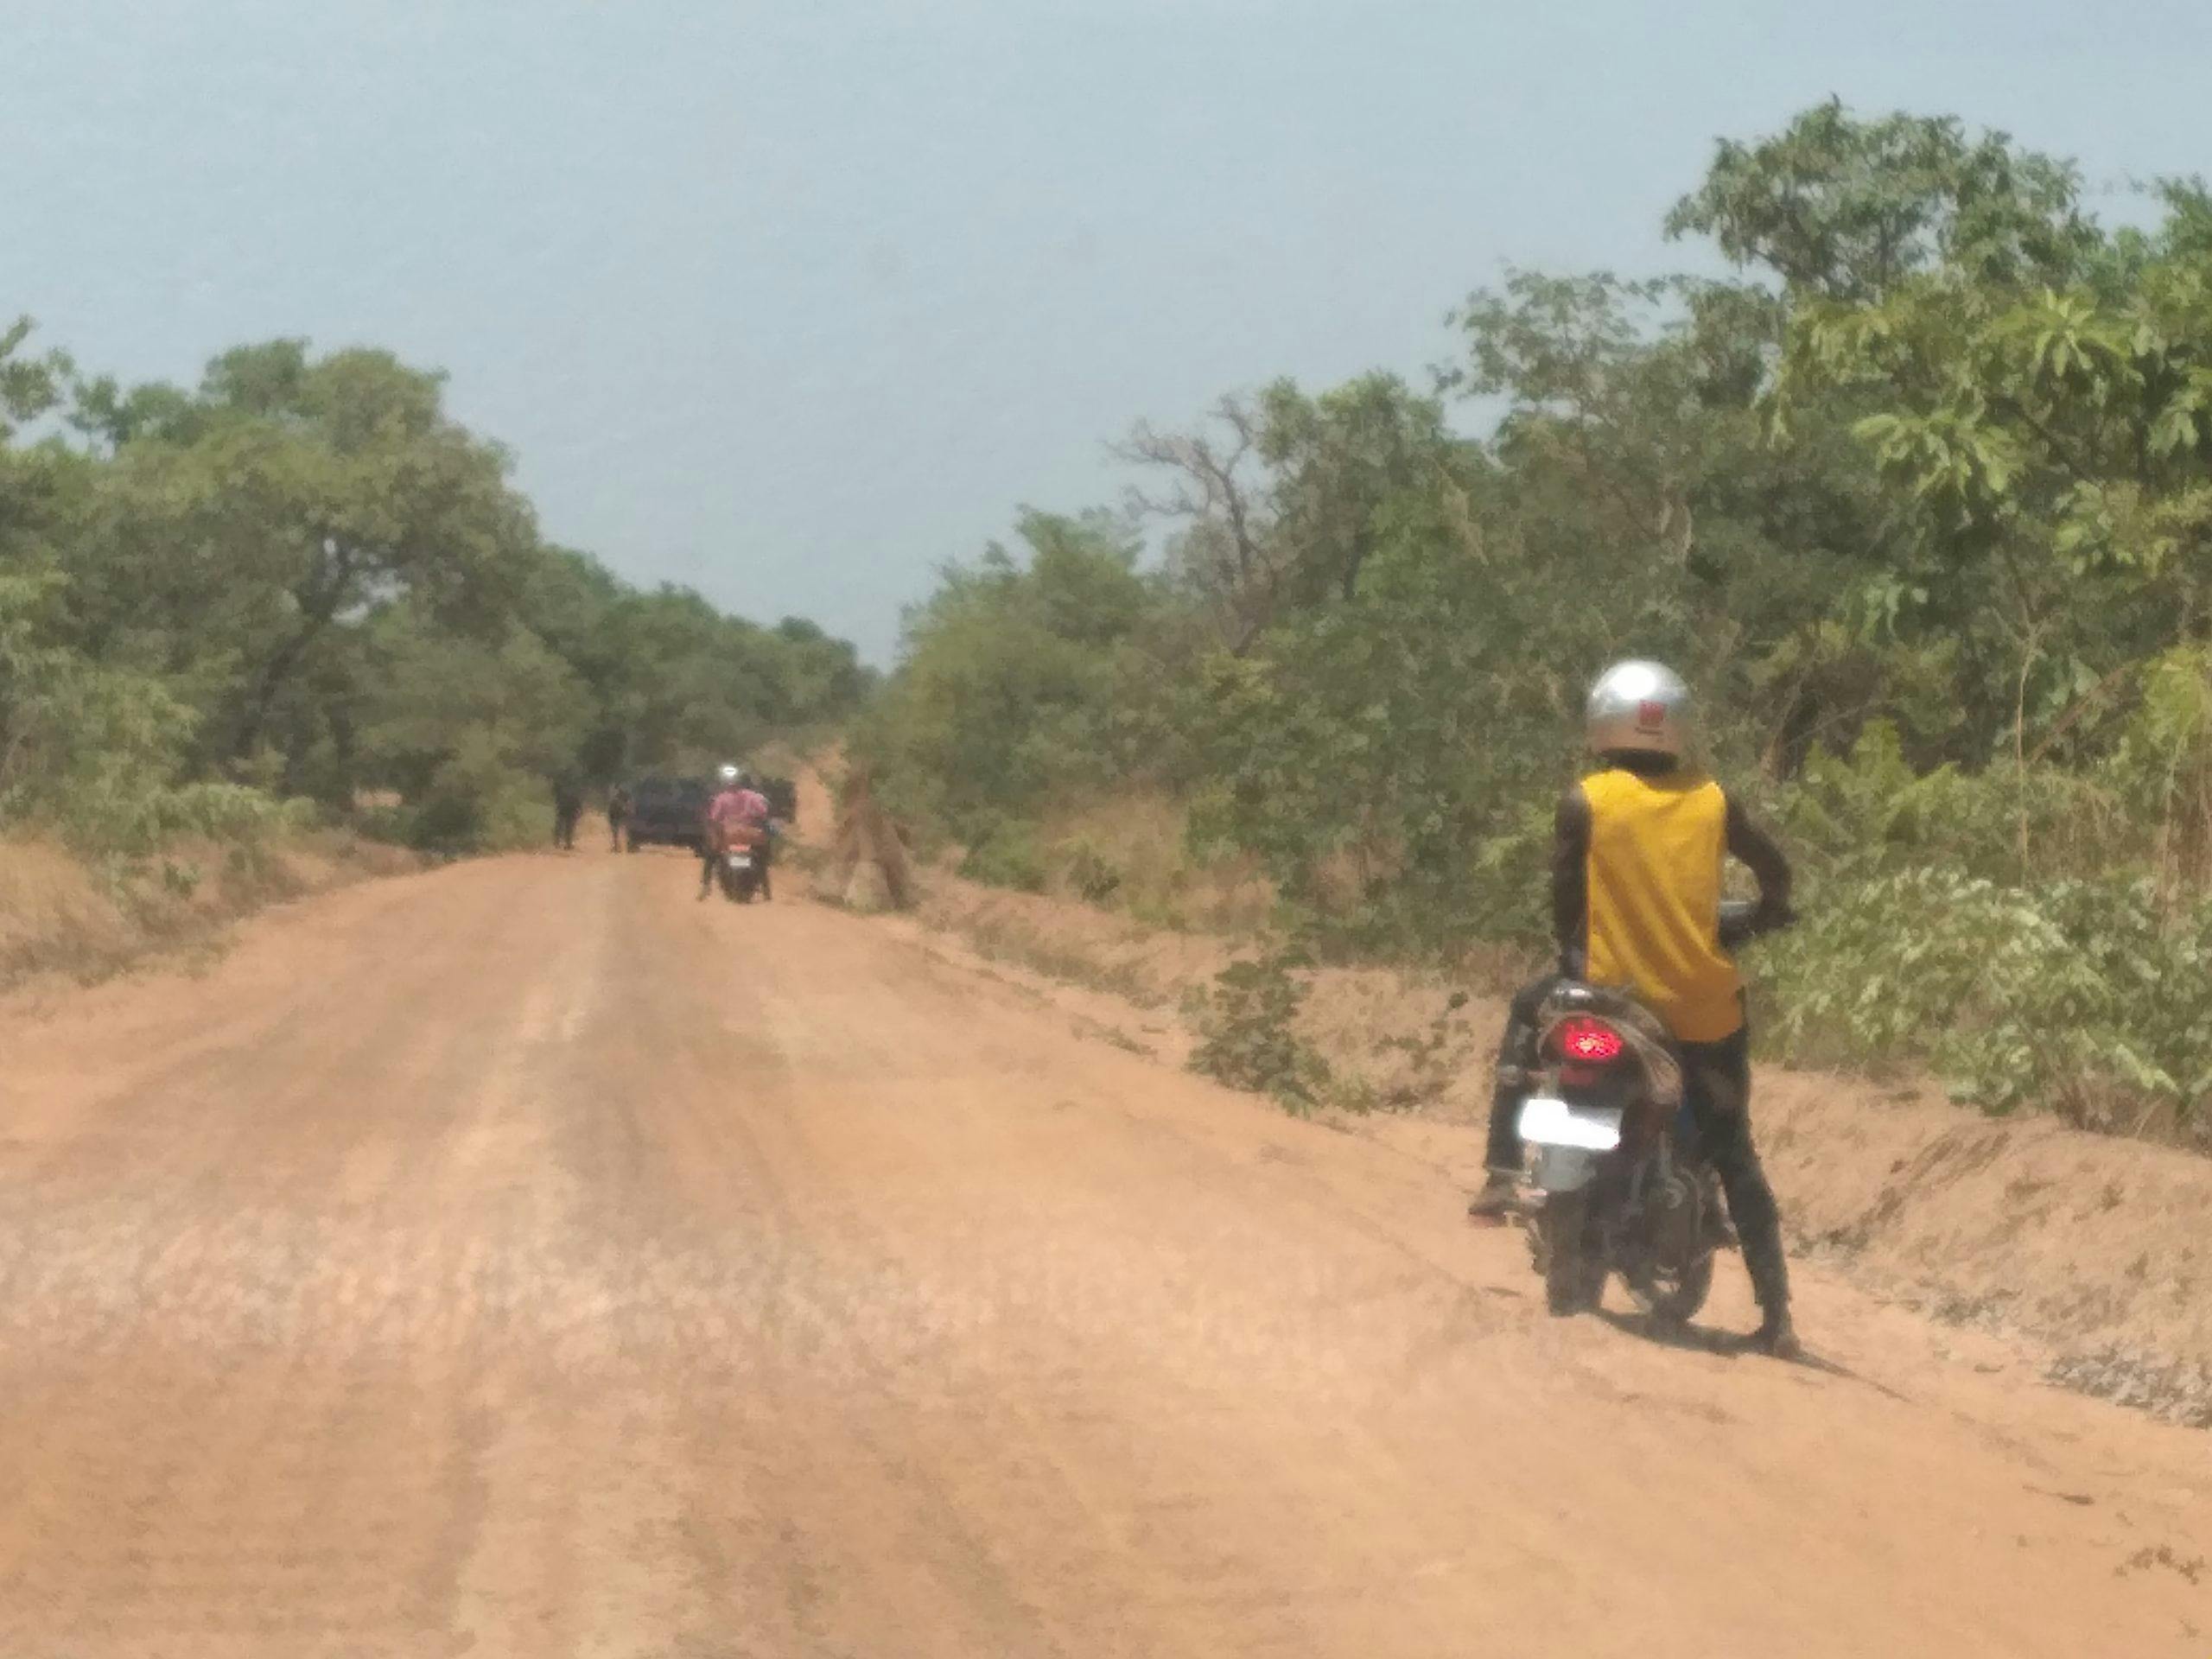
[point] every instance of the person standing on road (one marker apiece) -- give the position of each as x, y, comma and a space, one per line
736, 804
617, 815
1637, 852
568, 807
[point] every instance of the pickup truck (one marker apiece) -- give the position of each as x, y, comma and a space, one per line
668, 813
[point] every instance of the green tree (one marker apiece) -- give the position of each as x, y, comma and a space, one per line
242, 526
1844, 208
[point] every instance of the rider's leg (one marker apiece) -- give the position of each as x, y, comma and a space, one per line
1716, 1078
1516, 1059
706, 869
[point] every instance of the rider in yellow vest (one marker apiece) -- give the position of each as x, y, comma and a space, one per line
1637, 849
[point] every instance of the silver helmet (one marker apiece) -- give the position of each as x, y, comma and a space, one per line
1639, 707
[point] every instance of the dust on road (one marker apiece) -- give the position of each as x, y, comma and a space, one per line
525, 1259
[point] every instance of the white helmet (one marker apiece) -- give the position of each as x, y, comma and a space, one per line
730, 775
1640, 707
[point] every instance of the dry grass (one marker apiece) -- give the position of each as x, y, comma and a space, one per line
1138, 840
1150, 966
64, 917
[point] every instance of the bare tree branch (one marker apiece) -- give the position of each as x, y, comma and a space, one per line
1230, 518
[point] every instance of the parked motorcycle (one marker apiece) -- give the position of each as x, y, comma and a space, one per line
1620, 1187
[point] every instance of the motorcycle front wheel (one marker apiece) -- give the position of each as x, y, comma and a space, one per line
1673, 1299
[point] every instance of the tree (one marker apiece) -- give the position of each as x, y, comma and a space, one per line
2059, 444
289, 495
1225, 552
1845, 209
1344, 460
1015, 676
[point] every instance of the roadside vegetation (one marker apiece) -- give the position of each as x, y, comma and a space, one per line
256, 632
301, 594
1920, 496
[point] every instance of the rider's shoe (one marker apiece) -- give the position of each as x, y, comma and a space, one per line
1777, 1336
1498, 1199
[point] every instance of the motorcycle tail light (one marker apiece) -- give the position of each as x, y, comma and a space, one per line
1589, 1042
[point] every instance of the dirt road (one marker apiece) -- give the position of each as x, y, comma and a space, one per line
523, 1258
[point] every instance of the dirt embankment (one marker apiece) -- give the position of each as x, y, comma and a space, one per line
66, 917
2084, 1252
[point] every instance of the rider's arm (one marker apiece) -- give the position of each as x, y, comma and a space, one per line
1760, 853
1571, 881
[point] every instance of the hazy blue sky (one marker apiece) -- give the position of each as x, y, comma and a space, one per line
793, 303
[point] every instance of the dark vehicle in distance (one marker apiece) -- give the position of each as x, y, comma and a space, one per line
782, 796
668, 813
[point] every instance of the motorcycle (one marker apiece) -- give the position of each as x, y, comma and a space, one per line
739, 861
1612, 1155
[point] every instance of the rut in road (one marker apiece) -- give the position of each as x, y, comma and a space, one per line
526, 1259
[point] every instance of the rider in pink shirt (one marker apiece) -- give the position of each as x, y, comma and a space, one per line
736, 804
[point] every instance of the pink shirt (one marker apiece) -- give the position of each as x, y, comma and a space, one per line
738, 806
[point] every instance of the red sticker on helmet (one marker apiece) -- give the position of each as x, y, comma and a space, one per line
1650, 716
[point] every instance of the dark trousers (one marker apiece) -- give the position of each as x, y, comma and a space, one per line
1717, 1090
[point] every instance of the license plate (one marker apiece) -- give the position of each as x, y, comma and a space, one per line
740, 862
1547, 1122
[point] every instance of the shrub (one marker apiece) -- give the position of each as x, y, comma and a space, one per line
1008, 855
2076, 995
1091, 873
1249, 1040
476, 801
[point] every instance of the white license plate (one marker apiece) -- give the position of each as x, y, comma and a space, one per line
741, 861
1546, 1122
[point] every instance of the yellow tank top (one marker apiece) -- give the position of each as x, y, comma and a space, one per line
1656, 847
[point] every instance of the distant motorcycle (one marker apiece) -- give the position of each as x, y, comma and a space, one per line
1620, 1187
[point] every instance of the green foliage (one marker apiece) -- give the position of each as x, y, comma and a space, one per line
1007, 855
94, 754
1248, 1037
1846, 208
1020, 680
1923, 507
304, 578
473, 798
1092, 873
2073, 996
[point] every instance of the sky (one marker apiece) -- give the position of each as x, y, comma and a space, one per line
793, 303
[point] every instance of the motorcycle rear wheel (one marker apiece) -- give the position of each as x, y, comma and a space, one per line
1574, 1275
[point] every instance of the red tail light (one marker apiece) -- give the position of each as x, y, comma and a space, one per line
1589, 1042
